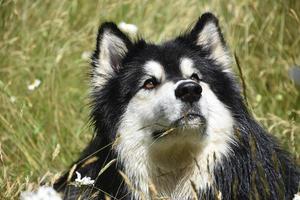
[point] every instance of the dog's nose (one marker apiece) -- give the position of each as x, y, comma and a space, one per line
188, 92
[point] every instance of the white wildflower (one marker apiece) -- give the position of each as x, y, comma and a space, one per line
86, 55
36, 83
297, 196
128, 28
83, 181
13, 99
258, 98
43, 193
279, 97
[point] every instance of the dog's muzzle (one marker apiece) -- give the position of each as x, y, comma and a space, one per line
188, 121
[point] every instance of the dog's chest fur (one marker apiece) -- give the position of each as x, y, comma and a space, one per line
175, 169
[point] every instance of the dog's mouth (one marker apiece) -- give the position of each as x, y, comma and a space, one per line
187, 121
190, 119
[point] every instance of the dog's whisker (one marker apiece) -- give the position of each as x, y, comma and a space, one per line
152, 125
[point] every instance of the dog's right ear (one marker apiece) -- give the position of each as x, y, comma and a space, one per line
111, 47
207, 34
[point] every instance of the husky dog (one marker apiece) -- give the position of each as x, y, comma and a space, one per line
170, 123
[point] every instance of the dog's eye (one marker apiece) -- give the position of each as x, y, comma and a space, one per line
195, 77
150, 83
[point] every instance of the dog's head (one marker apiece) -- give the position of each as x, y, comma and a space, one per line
167, 99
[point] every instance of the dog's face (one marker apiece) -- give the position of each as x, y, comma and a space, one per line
167, 103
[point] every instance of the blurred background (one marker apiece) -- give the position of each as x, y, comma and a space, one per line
44, 66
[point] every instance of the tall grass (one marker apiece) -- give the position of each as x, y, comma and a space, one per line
42, 131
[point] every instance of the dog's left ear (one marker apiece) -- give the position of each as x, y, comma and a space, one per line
207, 35
112, 45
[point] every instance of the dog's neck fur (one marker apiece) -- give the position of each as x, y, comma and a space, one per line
171, 167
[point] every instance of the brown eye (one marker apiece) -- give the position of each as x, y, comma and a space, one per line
195, 77
150, 83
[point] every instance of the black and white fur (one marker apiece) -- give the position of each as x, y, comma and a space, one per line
154, 144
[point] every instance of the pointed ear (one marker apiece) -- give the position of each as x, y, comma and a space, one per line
207, 34
111, 47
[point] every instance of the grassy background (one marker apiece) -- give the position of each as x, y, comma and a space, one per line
43, 130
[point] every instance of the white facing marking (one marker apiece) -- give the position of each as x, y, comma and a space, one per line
187, 67
154, 68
